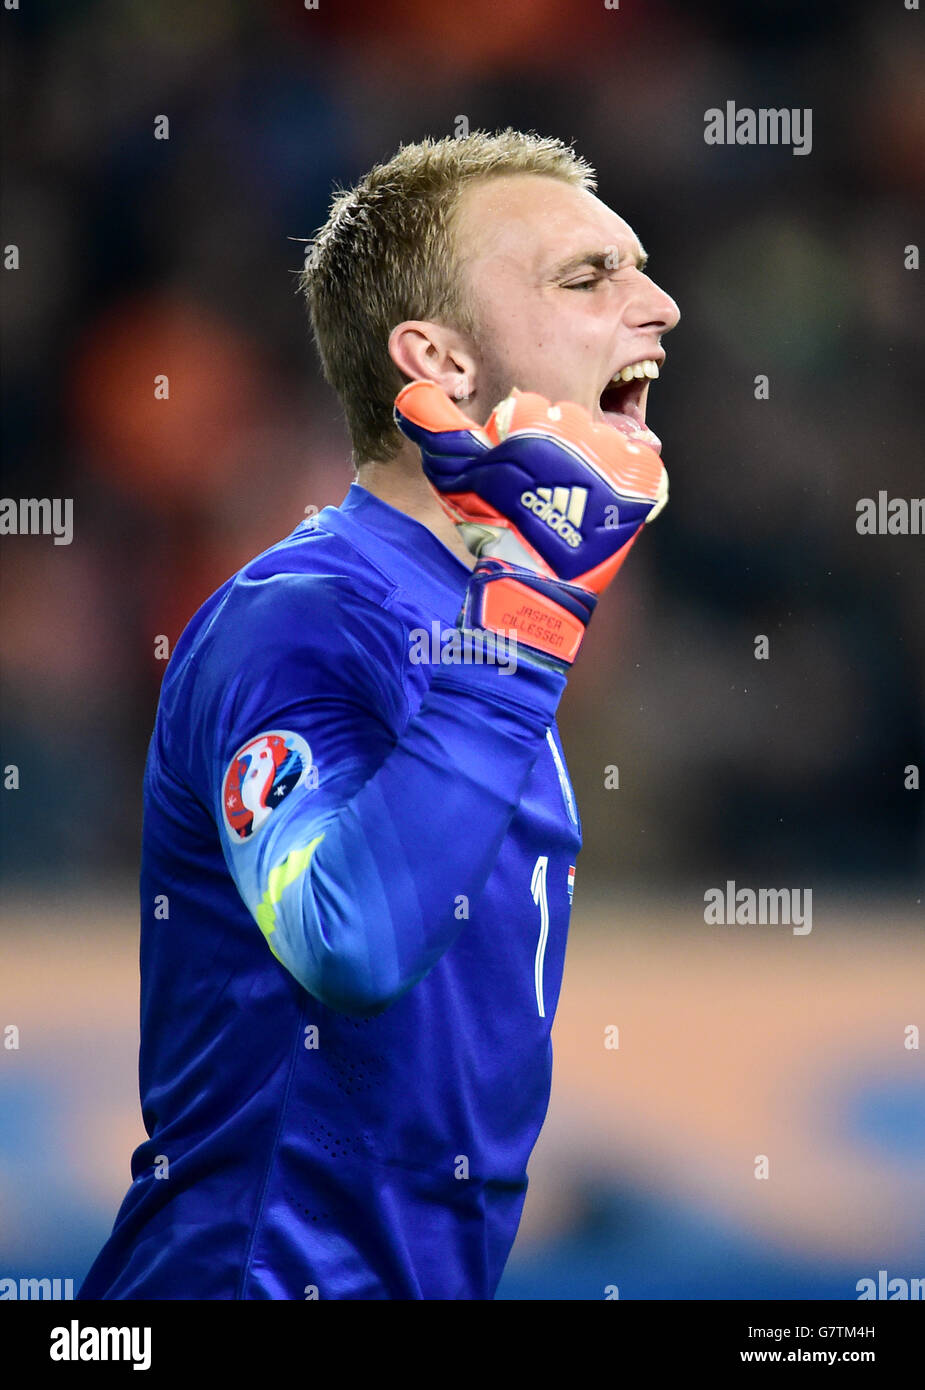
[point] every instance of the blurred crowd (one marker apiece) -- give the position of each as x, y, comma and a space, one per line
140, 256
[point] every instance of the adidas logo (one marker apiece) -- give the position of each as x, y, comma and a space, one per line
562, 509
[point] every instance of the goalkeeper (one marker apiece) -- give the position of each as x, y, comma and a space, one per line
357, 868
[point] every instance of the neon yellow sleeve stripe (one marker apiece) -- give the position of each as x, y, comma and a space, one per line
278, 881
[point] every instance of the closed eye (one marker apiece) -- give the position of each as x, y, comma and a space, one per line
594, 280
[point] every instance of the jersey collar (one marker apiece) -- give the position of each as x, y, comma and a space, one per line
407, 550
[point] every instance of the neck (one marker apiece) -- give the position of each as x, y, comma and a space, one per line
401, 483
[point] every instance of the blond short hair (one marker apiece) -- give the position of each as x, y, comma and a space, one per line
387, 253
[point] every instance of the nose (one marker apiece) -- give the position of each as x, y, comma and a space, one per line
652, 308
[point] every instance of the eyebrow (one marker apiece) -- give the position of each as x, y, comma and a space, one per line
598, 260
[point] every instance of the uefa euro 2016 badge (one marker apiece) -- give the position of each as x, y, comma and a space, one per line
571, 881
261, 775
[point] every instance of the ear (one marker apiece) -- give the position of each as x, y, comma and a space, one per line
424, 351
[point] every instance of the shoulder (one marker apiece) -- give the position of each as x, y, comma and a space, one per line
310, 596
306, 624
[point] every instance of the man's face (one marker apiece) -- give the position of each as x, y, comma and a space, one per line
560, 299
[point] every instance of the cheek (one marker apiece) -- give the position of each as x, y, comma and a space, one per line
504, 342
538, 347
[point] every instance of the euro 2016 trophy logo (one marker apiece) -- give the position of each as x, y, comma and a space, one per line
259, 777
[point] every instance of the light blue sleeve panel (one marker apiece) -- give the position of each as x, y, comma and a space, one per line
353, 823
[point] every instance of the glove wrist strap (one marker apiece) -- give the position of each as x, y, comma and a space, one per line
544, 616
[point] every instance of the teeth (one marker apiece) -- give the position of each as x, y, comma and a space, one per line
647, 368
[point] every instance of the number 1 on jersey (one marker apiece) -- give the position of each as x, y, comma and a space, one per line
538, 888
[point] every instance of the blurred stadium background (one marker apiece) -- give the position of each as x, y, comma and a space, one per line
141, 256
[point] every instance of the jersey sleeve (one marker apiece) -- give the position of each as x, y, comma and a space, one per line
354, 829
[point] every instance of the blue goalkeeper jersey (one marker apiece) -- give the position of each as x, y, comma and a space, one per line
357, 866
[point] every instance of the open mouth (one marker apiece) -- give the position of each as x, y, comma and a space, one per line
622, 402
